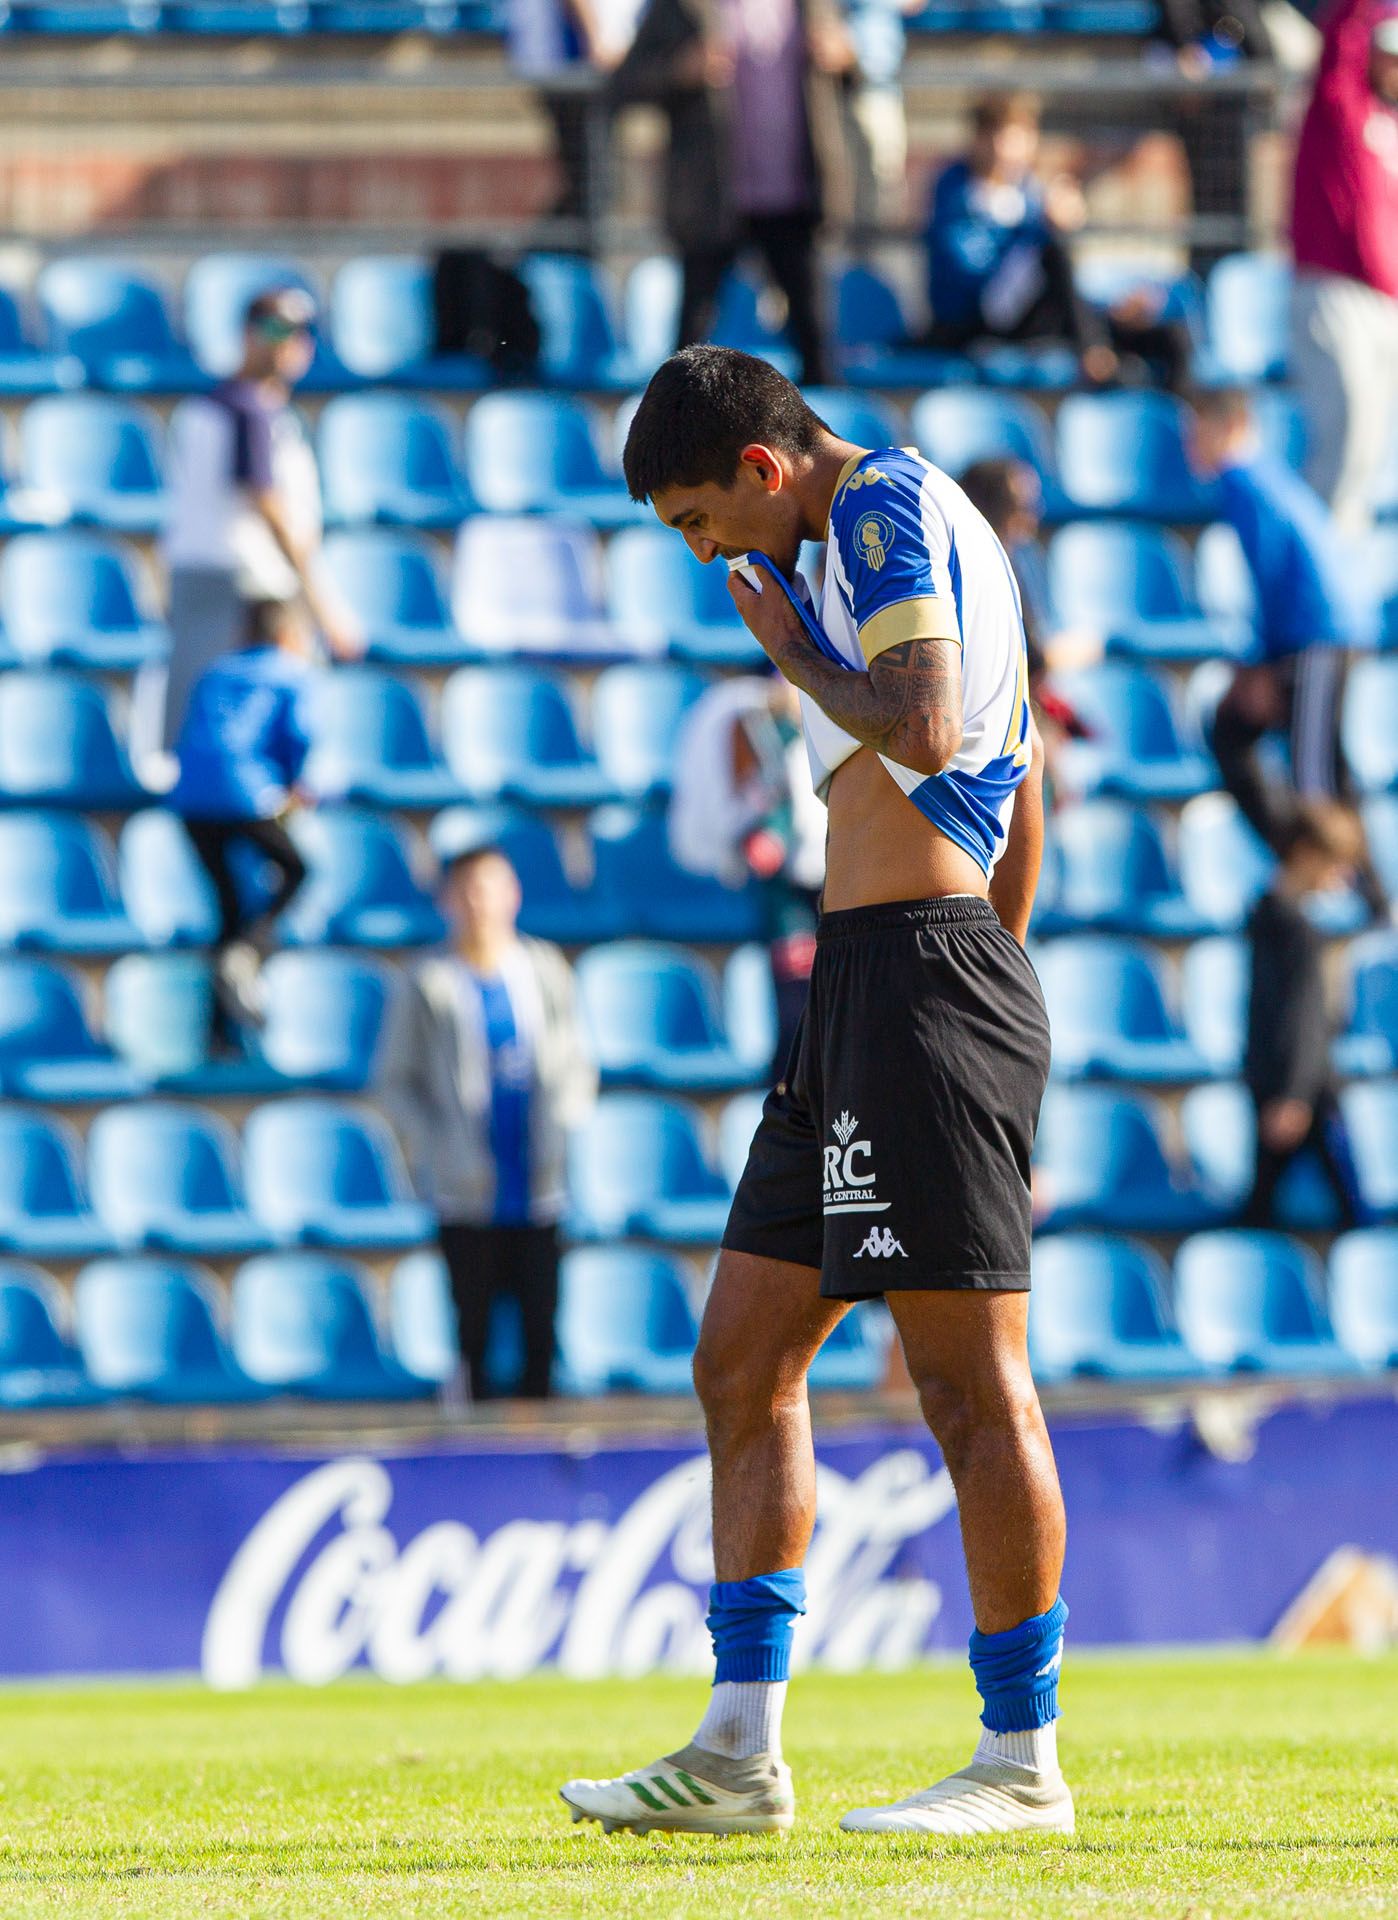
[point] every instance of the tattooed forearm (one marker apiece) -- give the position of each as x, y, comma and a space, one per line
907, 706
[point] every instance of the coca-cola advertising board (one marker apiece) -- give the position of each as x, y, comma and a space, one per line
495, 1558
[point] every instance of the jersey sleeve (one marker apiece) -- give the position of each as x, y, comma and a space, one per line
897, 559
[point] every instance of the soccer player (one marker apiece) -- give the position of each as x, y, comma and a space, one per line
894, 1157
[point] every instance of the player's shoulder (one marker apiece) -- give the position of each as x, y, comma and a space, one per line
882, 500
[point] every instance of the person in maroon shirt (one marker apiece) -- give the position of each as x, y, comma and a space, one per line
1344, 234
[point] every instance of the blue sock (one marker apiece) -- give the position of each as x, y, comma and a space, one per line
1017, 1672
752, 1623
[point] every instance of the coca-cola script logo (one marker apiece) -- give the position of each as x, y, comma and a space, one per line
585, 1596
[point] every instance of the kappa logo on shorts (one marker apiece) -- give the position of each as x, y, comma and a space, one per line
849, 1175
881, 1245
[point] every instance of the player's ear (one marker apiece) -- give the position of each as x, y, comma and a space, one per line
760, 464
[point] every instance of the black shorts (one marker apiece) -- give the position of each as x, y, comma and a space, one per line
895, 1154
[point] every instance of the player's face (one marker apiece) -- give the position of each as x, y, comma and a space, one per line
754, 512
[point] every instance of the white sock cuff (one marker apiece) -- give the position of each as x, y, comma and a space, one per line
744, 1717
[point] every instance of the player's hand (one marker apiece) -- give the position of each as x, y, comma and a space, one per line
1284, 1124
771, 620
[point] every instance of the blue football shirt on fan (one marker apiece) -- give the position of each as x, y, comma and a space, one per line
509, 1102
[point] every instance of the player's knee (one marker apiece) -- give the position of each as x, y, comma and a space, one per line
737, 1383
965, 1414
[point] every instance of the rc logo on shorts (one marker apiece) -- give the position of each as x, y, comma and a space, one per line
873, 536
849, 1172
881, 1245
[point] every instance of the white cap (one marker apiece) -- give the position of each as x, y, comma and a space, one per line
1386, 33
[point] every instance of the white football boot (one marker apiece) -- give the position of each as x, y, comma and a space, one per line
692, 1791
980, 1798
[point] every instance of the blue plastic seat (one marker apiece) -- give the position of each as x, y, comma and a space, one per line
393, 586
93, 458
958, 426
1225, 588
641, 1168
326, 1173
218, 290
637, 713
237, 17
118, 325
1378, 557
370, 743
872, 333
1381, 828
422, 1318
743, 321
651, 309
1109, 1013
580, 345
167, 1176
865, 420
656, 1019
1131, 584
1102, 1162
625, 1324
1123, 453
648, 893
854, 1358
87, 16
302, 1324
1249, 300
1371, 1114
77, 599
57, 747
58, 886
512, 734
1137, 748
324, 1014
38, 1367
47, 1049
382, 325
1099, 1310
150, 1328
1364, 1295
1251, 1303
1220, 1135
361, 890
1370, 1041
737, 1123
1224, 865
537, 453
533, 587
554, 907
158, 1010
387, 457
1214, 976
165, 889
1370, 724
44, 1208
662, 598
390, 16
24, 368
1117, 873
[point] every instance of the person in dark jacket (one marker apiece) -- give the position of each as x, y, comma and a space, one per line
1209, 37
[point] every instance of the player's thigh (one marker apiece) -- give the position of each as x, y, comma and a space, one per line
764, 1323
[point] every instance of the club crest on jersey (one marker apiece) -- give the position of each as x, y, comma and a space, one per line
849, 1172
873, 536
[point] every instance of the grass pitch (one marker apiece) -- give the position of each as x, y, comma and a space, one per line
1208, 1787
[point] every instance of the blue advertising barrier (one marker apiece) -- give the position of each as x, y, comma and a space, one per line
494, 1559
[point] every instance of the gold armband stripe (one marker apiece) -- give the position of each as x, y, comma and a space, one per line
929, 618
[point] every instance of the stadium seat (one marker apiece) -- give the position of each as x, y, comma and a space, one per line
219, 288
38, 1368
1102, 1162
1364, 1295
1117, 874
381, 323
1131, 585
117, 324
1281, 426
651, 309
737, 1123
1225, 588
422, 1318
47, 1049
663, 598
1137, 749
44, 1208
150, 1328
743, 321
656, 1019
554, 908
625, 1324
324, 1014
26, 369
387, 458
1098, 1311
237, 17
1214, 976
167, 1176
865, 420
512, 734
1381, 827
750, 1008
1251, 1303
88, 16
580, 345
1109, 1014
533, 586
325, 1173
1220, 1135
159, 1010
960, 425
57, 747
360, 891
77, 599
166, 891
1123, 453
302, 1323
1371, 1114
648, 893
873, 338
369, 743
1370, 724
641, 1168
1370, 1041
537, 453
392, 585
90, 457
1249, 310
637, 713
1378, 556
58, 886
1224, 866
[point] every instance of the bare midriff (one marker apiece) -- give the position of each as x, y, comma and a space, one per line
881, 848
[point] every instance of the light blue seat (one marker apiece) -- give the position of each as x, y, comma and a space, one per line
1251, 1303
1132, 585
219, 289
537, 453
1370, 724
387, 458
165, 889
1214, 975
150, 1328
1109, 1014
872, 334
1123, 453
87, 16
1098, 1310
47, 1049
648, 893
637, 713
324, 1015
77, 599
625, 1324
1225, 588
360, 891
1138, 749
1249, 305
1370, 1041
24, 368
662, 599
1117, 873
742, 321
38, 1367
381, 322
237, 17
958, 426
44, 1208
57, 747
390, 16
1220, 1134
370, 743
865, 420
737, 1124
554, 907
94, 458
1378, 557
651, 309
1371, 1114
1224, 865
656, 1019
1381, 827
1102, 1162
641, 1168
117, 324
422, 1318
302, 1324
326, 1173
854, 1358
159, 1008
392, 583
58, 886
1364, 1295
532, 587
166, 1176
580, 345
750, 1008
512, 734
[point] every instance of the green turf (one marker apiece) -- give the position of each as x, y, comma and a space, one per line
1207, 1787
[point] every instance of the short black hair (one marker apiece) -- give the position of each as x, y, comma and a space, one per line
702, 407
990, 486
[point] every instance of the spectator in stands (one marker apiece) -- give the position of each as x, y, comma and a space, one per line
484, 1070
240, 751
1210, 36
244, 515
553, 42
1287, 1063
1344, 233
1310, 612
877, 122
